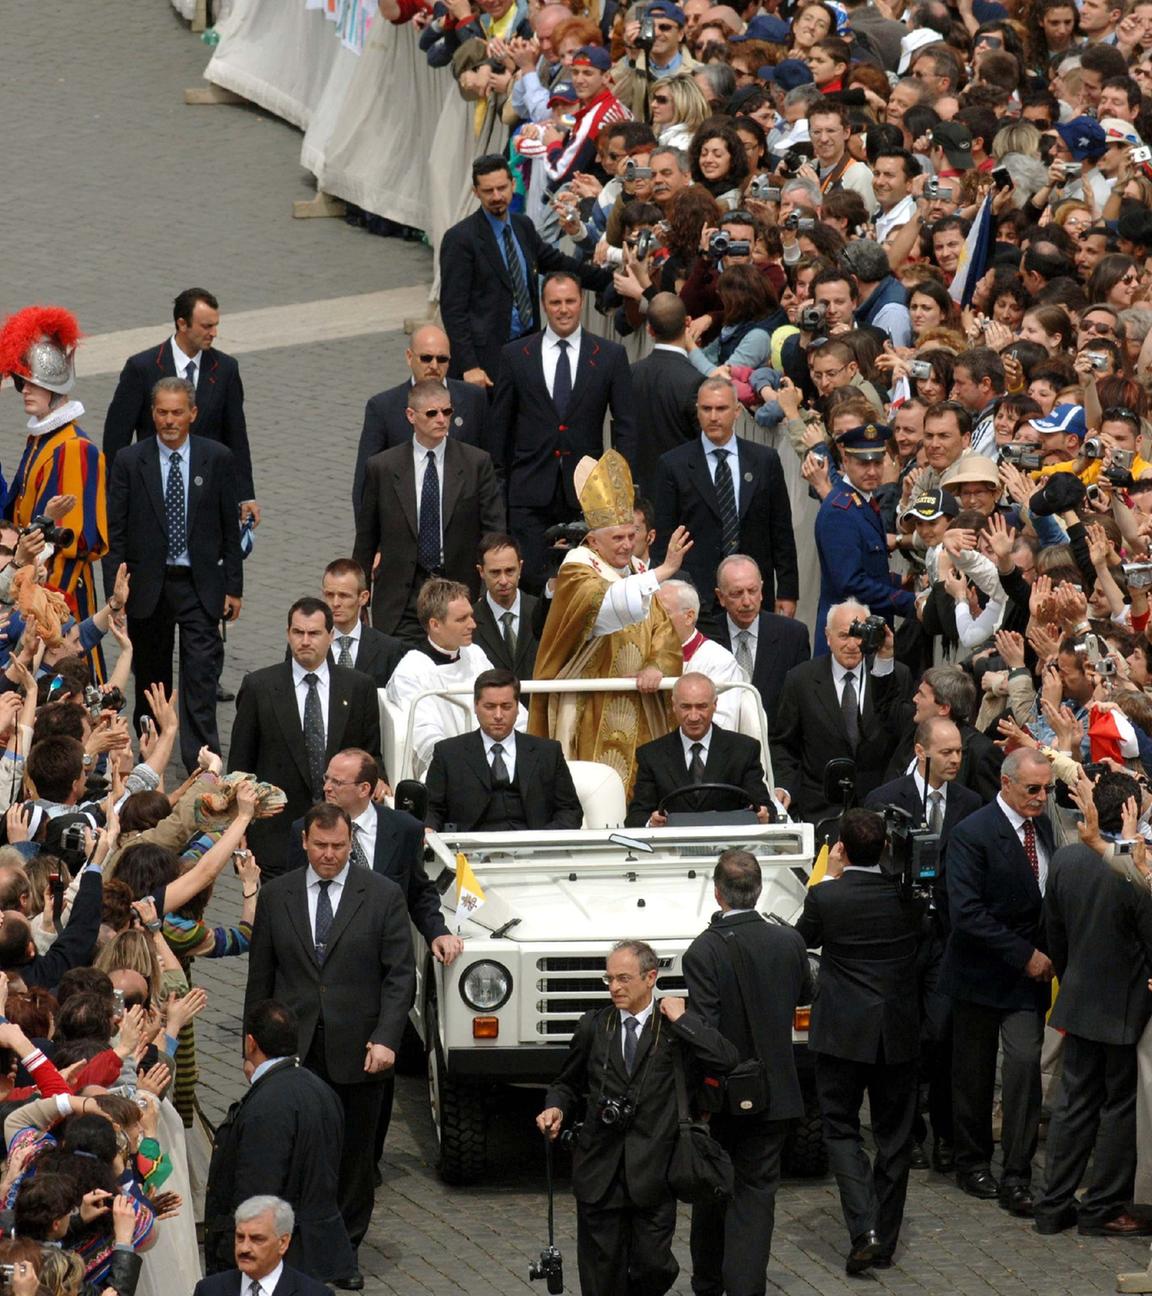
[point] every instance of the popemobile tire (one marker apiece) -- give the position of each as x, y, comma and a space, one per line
458, 1113
805, 1155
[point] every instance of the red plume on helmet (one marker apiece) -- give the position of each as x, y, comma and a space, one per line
55, 328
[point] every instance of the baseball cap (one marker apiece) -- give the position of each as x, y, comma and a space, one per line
866, 441
563, 92
592, 56
956, 141
913, 43
767, 27
787, 74
930, 505
667, 10
971, 468
1069, 419
1083, 137
1118, 131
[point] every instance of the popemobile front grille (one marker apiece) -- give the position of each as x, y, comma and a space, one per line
566, 988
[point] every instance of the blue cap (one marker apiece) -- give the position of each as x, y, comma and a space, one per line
1084, 137
866, 441
767, 27
1069, 419
593, 56
668, 10
563, 92
787, 74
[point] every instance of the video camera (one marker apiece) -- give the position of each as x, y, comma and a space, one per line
97, 700
721, 244
645, 39
913, 854
631, 172
570, 533
800, 224
1022, 455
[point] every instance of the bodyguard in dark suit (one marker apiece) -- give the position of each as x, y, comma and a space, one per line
730, 494
554, 391
741, 969
1098, 927
831, 707
664, 386
486, 302
292, 718
386, 421
865, 1032
998, 974
263, 1236
281, 1139
216, 377
505, 614
345, 589
332, 943
626, 1213
172, 517
426, 505
495, 779
765, 644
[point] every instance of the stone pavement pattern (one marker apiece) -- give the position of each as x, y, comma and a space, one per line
117, 196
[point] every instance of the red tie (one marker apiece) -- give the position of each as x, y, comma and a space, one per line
1030, 848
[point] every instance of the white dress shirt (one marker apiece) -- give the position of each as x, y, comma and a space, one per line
550, 355
335, 891
267, 1283
509, 745
732, 460
642, 1017
181, 361
667, 346
364, 832
1018, 821
183, 558
353, 647
498, 611
266, 1065
901, 214
925, 801
752, 631
689, 743
322, 687
420, 459
839, 675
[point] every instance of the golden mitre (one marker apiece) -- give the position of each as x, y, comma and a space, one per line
604, 489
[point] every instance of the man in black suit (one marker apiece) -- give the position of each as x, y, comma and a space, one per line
835, 707
696, 751
742, 970
504, 612
999, 977
190, 353
765, 644
345, 589
426, 505
625, 1211
1098, 927
495, 779
865, 1032
554, 391
385, 416
282, 1139
172, 505
933, 795
292, 718
664, 386
264, 1227
486, 301
730, 494
332, 942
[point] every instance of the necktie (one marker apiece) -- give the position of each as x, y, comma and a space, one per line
1030, 848
500, 777
323, 921
506, 619
255, 1289
345, 658
726, 494
174, 509
428, 540
562, 383
630, 1027
850, 710
314, 740
358, 856
696, 764
935, 811
190, 373
744, 653
520, 293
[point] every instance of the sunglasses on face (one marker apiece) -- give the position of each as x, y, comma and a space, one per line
1034, 788
427, 359
661, 99
1098, 326
431, 411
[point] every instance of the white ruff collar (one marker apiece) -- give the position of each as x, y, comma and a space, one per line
67, 413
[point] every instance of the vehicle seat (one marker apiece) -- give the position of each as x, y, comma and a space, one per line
601, 793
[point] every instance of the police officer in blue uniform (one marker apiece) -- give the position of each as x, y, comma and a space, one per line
850, 536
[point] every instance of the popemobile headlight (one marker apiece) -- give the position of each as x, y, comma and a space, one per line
486, 986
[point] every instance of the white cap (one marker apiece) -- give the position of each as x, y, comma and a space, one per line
1118, 131
916, 39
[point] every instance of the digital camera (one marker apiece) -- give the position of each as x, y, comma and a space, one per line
722, 244
870, 631
616, 1113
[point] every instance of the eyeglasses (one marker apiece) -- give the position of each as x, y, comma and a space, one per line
828, 373
625, 978
329, 781
431, 411
427, 359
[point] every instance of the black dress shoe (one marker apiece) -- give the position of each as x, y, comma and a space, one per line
882, 1262
943, 1156
979, 1183
864, 1251
1016, 1199
354, 1282
919, 1159
222, 695
1051, 1224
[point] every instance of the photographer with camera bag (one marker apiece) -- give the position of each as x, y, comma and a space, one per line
745, 976
623, 1063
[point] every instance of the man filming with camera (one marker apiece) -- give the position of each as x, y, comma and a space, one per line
622, 1063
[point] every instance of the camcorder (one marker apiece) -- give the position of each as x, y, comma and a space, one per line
646, 36
871, 632
792, 161
1022, 455
812, 318
913, 854
721, 244
559, 539
632, 172
95, 701
1107, 667
59, 537
645, 240
1092, 449
763, 190
1138, 575
801, 224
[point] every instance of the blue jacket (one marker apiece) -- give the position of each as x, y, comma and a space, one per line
888, 292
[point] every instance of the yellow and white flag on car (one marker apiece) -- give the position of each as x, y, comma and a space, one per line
820, 868
469, 892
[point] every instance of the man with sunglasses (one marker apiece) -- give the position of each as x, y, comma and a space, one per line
1098, 322
999, 977
385, 416
632, 76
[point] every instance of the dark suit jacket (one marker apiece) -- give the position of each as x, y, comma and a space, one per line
476, 290
664, 386
219, 406
471, 505
995, 908
292, 1283
399, 855
268, 741
1098, 927
532, 449
137, 531
777, 963
781, 643
281, 1139
489, 634
364, 989
661, 768
459, 782
595, 1066
685, 496
809, 732
979, 765
377, 654
76, 944
867, 937
386, 424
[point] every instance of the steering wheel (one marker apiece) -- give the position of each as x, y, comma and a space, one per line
736, 797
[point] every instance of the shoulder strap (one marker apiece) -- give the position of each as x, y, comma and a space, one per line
833, 177
743, 981
685, 1116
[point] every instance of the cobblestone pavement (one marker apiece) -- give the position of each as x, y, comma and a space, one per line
117, 195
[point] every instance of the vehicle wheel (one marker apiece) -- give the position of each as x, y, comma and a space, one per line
805, 1154
458, 1115
410, 1059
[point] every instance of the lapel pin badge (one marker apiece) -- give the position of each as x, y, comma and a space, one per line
458, 421
198, 481
747, 477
